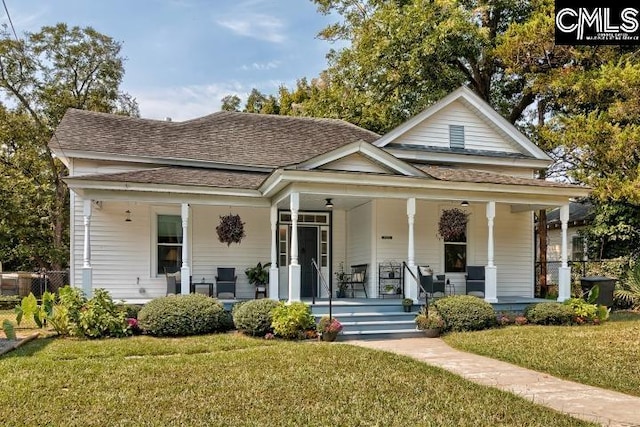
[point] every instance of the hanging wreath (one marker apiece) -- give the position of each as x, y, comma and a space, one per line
231, 229
453, 224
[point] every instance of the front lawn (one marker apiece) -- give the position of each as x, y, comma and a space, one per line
606, 356
230, 379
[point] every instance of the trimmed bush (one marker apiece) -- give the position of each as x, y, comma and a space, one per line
465, 313
131, 310
180, 315
291, 321
254, 317
226, 321
549, 313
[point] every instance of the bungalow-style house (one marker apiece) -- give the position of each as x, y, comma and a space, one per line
147, 195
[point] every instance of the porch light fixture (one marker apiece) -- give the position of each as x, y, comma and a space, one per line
464, 203
127, 215
329, 204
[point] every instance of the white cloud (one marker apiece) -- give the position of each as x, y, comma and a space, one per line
184, 103
261, 66
256, 26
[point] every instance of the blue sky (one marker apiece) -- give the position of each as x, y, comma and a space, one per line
183, 56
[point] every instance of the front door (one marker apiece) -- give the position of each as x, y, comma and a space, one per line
307, 251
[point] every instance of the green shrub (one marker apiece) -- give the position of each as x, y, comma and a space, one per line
101, 317
549, 313
291, 321
254, 317
226, 321
131, 310
585, 312
465, 313
180, 315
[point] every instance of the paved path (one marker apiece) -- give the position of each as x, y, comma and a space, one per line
606, 407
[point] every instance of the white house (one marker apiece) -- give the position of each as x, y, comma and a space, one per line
146, 194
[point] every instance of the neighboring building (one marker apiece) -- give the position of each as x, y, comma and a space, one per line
580, 216
147, 195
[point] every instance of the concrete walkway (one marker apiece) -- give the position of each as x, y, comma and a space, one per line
608, 408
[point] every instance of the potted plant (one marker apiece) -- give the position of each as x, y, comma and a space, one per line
389, 289
329, 328
258, 275
452, 224
407, 303
430, 321
342, 279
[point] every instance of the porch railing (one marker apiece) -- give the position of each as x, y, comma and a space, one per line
405, 267
327, 287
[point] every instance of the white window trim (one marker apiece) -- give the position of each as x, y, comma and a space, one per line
164, 210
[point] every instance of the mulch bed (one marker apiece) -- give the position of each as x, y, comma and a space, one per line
7, 345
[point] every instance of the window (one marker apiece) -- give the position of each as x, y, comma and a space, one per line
283, 244
577, 248
456, 136
169, 243
455, 254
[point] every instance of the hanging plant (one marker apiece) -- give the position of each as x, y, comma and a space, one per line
231, 229
453, 224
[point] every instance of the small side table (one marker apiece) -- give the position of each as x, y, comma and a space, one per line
451, 288
261, 290
194, 286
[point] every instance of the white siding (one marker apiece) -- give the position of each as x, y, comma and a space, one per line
513, 242
479, 135
357, 163
122, 252
92, 167
359, 224
339, 237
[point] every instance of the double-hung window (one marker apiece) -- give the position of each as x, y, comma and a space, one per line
169, 243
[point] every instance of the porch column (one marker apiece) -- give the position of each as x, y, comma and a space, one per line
273, 271
490, 270
564, 272
294, 268
185, 271
410, 284
87, 270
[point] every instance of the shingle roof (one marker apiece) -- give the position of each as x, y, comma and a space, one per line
175, 175
222, 137
579, 212
480, 177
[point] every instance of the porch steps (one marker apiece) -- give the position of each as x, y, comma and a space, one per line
370, 319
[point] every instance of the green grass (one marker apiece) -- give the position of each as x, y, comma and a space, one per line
234, 380
606, 356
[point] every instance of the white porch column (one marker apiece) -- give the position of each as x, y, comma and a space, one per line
490, 270
294, 268
410, 284
273, 271
564, 272
185, 271
87, 271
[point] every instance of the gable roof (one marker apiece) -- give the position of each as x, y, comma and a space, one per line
479, 107
369, 151
224, 137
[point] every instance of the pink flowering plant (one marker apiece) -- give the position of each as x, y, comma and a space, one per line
329, 325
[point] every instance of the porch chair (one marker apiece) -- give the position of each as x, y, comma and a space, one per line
174, 282
474, 279
226, 281
357, 278
428, 284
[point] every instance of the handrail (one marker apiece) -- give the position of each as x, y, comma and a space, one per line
328, 287
426, 295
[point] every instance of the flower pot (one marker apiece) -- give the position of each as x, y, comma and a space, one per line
340, 293
329, 336
431, 333
407, 308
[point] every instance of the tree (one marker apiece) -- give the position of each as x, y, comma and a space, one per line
41, 76
231, 103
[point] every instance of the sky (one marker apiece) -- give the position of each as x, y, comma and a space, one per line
183, 56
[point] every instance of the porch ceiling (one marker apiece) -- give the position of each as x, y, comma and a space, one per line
317, 202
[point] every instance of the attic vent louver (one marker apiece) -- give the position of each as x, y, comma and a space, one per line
456, 136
